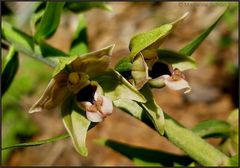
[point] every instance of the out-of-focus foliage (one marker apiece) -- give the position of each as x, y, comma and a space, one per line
212, 128
23, 128
9, 69
143, 156
79, 43
49, 21
84, 6
133, 99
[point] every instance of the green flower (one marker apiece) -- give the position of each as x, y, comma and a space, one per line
73, 75
144, 54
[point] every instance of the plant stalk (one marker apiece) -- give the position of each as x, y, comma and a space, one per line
196, 147
192, 144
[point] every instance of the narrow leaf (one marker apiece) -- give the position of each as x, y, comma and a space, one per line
154, 112
143, 40
116, 87
35, 20
77, 125
10, 68
143, 156
50, 20
151, 40
37, 143
79, 44
212, 128
193, 45
183, 138
24, 43
78, 7
48, 51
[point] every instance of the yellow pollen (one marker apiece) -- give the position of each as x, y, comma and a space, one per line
73, 77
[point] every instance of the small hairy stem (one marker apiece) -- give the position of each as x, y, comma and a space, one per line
193, 145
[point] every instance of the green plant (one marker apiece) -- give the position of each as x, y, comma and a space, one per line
86, 89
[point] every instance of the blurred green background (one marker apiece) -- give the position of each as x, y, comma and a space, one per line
214, 83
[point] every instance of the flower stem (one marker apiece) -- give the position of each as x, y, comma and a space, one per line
193, 145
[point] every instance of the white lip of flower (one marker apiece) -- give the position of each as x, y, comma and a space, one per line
102, 107
176, 81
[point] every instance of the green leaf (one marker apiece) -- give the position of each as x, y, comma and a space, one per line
154, 112
48, 51
10, 68
124, 65
37, 143
50, 20
193, 45
177, 60
76, 125
78, 7
143, 156
24, 43
16, 37
116, 87
212, 128
183, 138
143, 40
35, 20
234, 161
79, 44
151, 40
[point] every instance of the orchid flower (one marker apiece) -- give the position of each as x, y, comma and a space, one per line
173, 77
144, 55
175, 81
97, 107
73, 75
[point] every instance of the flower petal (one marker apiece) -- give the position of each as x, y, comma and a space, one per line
94, 63
107, 106
139, 71
96, 95
176, 84
95, 116
54, 94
